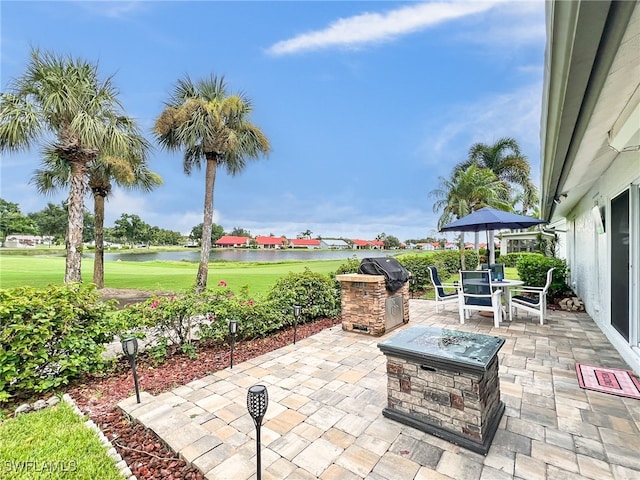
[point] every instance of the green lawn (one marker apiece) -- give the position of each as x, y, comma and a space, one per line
53, 443
16, 271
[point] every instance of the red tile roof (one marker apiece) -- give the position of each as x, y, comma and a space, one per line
261, 240
360, 243
305, 242
230, 240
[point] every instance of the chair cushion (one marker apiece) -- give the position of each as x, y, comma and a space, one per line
482, 302
448, 295
534, 302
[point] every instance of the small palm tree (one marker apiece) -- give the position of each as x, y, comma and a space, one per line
60, 103
467, 191
212, 126
510, 165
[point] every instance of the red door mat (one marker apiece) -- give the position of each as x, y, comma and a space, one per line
608, 380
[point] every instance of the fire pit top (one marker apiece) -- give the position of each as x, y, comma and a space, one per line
444, 348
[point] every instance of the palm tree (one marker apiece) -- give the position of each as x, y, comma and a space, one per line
130, 172
61, 103
510, 165
467, 191
213, 127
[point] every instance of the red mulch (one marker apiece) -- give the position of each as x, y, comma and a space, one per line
145, 453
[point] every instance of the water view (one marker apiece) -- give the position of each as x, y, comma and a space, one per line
242, 255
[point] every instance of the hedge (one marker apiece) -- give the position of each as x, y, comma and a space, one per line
50, 336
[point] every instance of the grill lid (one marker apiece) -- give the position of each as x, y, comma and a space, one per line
395, 274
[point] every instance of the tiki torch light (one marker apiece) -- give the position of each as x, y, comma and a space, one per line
130, 349
257, 403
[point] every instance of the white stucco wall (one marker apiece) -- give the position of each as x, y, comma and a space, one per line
589, 260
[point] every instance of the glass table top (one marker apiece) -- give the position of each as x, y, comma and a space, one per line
463, 348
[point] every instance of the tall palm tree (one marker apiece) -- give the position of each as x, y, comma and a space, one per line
132, 172
468, 190
212, 126
505, 159
60, 103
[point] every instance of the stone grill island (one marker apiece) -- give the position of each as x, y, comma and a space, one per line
445, 383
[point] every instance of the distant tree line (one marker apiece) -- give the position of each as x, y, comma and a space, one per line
52, 221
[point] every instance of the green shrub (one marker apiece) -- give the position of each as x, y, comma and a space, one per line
314, 292
50, 336
532, 270
163, 321
350, 266
256, 317
418, 266
447, 262
511, 259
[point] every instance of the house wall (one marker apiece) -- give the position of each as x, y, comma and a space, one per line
590, 252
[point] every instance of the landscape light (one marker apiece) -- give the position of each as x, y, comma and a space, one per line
233, 329
297, 311
130, 349
257, 403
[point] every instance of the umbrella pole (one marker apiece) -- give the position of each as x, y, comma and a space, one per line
491, 247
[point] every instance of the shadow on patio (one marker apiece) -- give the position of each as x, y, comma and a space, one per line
327, 392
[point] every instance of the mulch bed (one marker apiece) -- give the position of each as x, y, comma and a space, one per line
145, 453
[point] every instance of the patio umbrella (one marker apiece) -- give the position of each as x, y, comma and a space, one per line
489, 219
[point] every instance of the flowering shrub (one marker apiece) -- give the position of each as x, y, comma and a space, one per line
162, 321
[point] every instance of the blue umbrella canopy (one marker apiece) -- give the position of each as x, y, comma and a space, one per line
488, 218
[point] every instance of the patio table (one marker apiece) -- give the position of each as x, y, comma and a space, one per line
505, 285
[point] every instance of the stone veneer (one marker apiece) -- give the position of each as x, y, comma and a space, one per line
461, 407
364, 300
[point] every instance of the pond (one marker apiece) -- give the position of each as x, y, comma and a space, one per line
243, 255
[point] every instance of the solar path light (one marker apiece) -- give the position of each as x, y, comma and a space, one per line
257, 403
233, 329
297, 311
130, 349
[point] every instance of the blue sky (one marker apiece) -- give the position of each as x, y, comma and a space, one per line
365, 104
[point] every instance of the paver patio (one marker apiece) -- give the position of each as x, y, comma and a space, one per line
327, 392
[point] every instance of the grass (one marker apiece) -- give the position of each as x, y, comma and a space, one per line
16, 271
53, 443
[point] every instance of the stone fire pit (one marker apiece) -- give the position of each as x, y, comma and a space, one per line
445, 383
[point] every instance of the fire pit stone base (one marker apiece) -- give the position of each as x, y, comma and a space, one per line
445, 383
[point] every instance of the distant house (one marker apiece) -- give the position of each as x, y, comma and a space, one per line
271, 242
26, 241
334, 243
232, 241
304, 243
426, 246
451, 246
360, 244
365, 244
527, 241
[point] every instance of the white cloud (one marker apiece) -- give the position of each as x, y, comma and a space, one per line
514, 114
379, 27
514, 24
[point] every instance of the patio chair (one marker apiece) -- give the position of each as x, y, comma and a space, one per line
477, 294
532, 299
497, 270
441, 296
